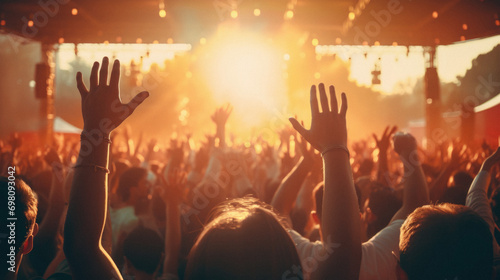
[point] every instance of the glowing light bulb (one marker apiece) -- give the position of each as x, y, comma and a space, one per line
74, 11
256, 12
352, 16
315, 42
162, 13
234, 14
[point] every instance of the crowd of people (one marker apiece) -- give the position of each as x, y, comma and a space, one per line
317, 209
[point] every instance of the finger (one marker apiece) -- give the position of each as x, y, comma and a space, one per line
314, 102
393, 130
81, 85
137, 100
333, 100
343, 107
114, 81
103, 74
296, 125
323, 99
375, 137
93, 75
384, 135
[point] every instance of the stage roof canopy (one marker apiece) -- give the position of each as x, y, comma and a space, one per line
350, 22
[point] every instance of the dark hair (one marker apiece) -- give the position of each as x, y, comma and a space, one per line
446, 241
245, 240
143, 248
383, 203
129, 179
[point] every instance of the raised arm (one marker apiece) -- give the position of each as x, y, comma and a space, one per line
220, 118
383, 145
287, 191
477, 198
102, 111
415, 192
340, 223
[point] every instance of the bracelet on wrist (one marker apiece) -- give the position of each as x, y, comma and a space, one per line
335, 147
87, 136
95, 166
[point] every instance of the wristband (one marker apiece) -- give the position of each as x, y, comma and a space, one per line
334, 147
96, 167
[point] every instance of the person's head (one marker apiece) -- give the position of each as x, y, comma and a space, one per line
20, 223
245, 240
143, 250
381, 205
133, 185
445, 241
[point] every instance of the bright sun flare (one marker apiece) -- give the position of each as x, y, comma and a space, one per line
244, 70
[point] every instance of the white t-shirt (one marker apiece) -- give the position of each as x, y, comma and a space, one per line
377, 261
123, 220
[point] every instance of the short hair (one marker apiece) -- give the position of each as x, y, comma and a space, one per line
446, 241
143, 247
383, 203
245, 240
25, 212
130, 178
25, 209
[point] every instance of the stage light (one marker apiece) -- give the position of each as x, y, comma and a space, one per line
352, 16
497, 22
377, 43
289, 14
435, 14
395, 44
30, 23
256, 12
162, 13
429, 101
234, 14
464, 26
314, 42
462, 38
138, 41
61, 40
243, 69
74, 11
286, 57
338, 41
203, 41
106, 42
170, 41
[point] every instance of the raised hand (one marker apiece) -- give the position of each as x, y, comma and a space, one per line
385, 140
491, 160
404, 143
102, 108
328, 127
221, 115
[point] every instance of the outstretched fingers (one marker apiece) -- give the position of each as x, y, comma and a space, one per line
333, 100
343, 107
81, 85
114, 81
103, 74
314, 102
93, 76
323, 99
298, 127
137, 100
